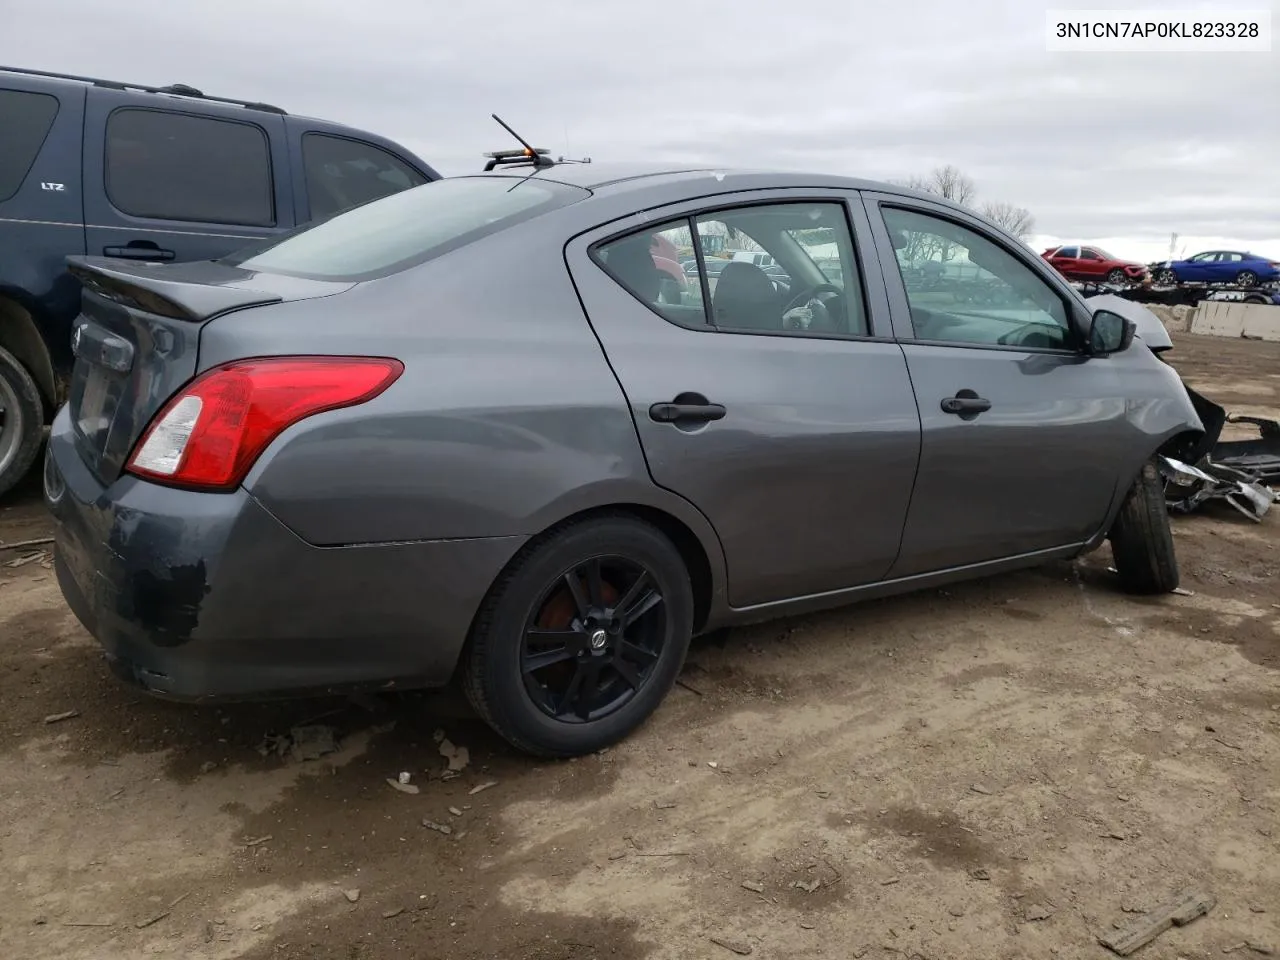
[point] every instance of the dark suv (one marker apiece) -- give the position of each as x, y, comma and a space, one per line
145, 173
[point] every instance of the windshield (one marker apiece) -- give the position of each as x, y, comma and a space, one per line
395, 232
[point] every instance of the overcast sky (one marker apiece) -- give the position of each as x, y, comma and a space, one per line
1119, 149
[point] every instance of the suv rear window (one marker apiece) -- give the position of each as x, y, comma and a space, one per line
177, 166
25, 119
391, 234
344, 173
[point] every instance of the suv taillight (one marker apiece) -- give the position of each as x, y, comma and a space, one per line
210, 433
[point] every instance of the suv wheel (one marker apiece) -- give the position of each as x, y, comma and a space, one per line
1141, 540
581, 637
21, 421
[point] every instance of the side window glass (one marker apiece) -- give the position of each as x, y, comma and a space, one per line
964, 288
342, 173
178, 166
658, 266
25, 119
1086, 254
810, 284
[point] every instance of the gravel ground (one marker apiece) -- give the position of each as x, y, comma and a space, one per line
1003, 769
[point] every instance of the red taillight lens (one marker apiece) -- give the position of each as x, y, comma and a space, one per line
209, 434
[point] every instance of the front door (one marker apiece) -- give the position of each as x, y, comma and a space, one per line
167, 183
787, 418
1021, 435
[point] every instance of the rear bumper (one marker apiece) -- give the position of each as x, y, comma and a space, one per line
198, 596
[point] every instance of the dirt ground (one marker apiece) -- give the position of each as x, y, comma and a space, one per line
1003, 769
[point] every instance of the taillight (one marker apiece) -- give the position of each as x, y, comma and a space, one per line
210, 433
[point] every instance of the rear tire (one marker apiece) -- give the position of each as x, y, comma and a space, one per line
627, 663
21, 421
1141, 539
1246, 278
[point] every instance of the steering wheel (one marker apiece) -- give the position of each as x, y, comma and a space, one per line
804, 296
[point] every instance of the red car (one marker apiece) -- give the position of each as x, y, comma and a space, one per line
1090, 263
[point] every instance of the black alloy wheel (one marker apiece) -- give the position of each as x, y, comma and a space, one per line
593, 639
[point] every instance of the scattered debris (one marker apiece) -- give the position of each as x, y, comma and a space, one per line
890, 882
808, 886
1182, 592
1187, 487
688, 686
1037, 911
23, 561
618, 855
405, 776
740, 947
712, 764
455, 811
956, 910
755, 886
1187, 906
1255, 908
1113, 835
979, 788
457, 757
24, 544
404, 786
1260, 948
88, 923
209, 766
352, 895
438, 827
1232, 746
59, 717
480, 787
388, 914
301, 743
664, 805
143, 924
258, 841
980, 873
823, 794
670, 853
809, 926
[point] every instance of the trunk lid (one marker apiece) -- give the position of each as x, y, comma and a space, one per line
137, 337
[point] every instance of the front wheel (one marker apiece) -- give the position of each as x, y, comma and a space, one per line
1166, 278
1117, 276
1141, 540
581, 637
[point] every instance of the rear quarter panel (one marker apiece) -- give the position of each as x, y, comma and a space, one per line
506, 420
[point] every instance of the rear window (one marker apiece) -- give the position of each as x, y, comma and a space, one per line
25, 119
391, 234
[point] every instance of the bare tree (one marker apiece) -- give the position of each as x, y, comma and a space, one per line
950, 184
1016, 220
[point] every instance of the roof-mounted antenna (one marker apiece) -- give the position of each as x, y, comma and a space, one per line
535, 156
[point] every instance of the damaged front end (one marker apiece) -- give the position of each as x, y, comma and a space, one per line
1237, 472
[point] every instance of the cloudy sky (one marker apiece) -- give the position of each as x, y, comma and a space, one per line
1117, 149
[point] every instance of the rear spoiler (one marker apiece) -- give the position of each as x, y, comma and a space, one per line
194, 292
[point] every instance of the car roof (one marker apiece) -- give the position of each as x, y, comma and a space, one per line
620, 177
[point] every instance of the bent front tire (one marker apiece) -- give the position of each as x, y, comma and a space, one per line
1141, 539
581, 637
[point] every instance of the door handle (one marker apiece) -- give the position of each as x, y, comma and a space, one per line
686, 412
135, 251
966, 404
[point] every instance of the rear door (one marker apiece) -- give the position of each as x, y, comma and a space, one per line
172, 179
795, 433
1021, 435
1092, 266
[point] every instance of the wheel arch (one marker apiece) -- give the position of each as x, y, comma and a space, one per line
21, 337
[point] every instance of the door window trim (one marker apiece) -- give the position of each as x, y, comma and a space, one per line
1069, 309
690, 217
262, 131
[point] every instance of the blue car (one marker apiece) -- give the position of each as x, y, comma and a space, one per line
1220, 266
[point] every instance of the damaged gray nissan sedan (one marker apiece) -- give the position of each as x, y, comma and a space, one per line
483, 428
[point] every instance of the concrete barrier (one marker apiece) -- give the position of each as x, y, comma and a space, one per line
1218, 318
1176, 318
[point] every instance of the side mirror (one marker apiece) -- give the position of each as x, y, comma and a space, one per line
1110, 333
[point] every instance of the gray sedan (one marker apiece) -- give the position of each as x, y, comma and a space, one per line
468, 431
